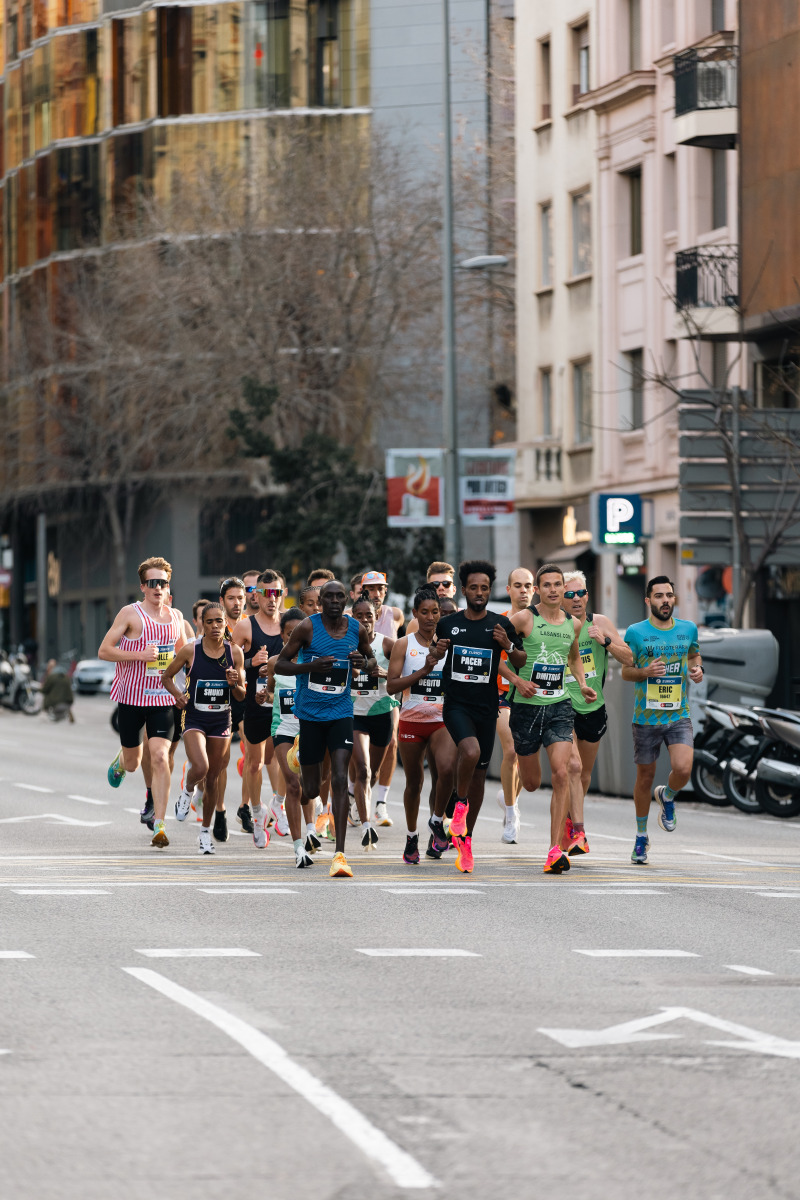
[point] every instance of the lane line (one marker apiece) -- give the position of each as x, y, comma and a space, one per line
249, 891
747, 970
401, 1168
420, 953
52, 819
60, 892
201, 952
638, 953
781, 895
15, 954
422, 890
751, 862
32, 787
88, 800
619, 891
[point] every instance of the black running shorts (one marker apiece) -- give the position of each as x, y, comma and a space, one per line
257, 723
318, 736
378, 728
237, 713
590, 727
134, 719
462, 723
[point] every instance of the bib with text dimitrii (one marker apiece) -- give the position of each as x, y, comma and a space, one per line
548, 678
286, 701
471, 664
211, 695
664, 693
333, 681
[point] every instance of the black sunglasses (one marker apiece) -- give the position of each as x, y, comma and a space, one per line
154, 583
571, 595
251, 588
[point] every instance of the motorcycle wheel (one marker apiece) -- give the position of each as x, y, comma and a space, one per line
708, 786
29, 700
778, 800
741, 792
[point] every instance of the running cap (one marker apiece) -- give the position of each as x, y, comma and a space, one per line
373, 577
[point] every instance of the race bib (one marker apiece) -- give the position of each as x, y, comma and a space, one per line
286, 701
548, 678
155, 669
212, 695
364, 684
664, 693
429, 688
589, 669
471, 664
334, 681
262, 685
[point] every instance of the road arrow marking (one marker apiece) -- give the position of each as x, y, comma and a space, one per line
51, 817
633, 1031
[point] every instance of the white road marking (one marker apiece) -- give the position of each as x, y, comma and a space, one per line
751, 862
32, 787
88, 800
638, 953
402, 1169
606, 891
51, 818
747, 970
633, 1031
610, 837
15, 954
60, 892
419, 953
781, 895
201, 952
249, 891
444, 890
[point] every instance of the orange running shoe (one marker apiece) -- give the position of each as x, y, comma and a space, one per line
458, 822
557, 862
579, 845
240, 765
340, 868
464, 860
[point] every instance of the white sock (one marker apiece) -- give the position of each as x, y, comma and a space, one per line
277, 801
364, 826
411, 833
383, 792
256, 808
205, 828
310, 827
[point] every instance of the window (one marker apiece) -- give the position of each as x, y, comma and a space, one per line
631, 396
546, 247
634, 182
670, 206
719, 189
580, 61
582, 402
719, 366
581, 233
545, 101
174, 61
77, 186
324, 66
717, 15
270, 54
546, 396
634, 35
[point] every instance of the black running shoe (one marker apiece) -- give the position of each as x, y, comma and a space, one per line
439, 838
432, 852
147, 815
220, 826
245, 818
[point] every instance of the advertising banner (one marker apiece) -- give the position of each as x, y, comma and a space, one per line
486, 484
414, 488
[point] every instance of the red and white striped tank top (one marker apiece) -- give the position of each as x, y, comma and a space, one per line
140, 682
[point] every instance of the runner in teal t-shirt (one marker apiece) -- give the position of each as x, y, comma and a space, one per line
666, 655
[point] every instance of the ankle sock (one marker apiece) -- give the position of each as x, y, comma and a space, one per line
412, 833
669, 794
298, 844
383, 791
641, 824
578, 826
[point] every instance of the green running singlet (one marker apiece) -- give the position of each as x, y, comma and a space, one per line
547, 648
594, 657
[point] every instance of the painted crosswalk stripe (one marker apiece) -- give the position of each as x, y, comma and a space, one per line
87, 800
419, 953
15, 954
60, 892
638, 953
32, 787
452, 890
249, 891
747, 970
201, 952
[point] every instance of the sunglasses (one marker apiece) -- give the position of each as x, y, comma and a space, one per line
273, 592
572, 595
154, 583
444, 583
234, 581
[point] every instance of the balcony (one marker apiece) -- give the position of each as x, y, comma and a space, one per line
707, 292
547, 463
706, 97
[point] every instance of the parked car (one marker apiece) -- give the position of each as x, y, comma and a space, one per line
93, 675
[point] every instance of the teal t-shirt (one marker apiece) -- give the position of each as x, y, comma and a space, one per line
664, 699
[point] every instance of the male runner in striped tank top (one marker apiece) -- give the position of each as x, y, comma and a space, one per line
142, 641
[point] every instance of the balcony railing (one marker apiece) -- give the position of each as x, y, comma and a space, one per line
706, 79
707, 277
547, 464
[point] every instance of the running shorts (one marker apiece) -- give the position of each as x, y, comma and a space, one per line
158, 720
648, 739
590, 727
237, 713
213, 725
318, 736
257, 722
282, 739
462, 723
535, 725
418, 731
177, 716
379, 728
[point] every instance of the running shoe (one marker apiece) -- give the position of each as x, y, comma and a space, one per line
184, 803
312, 842
205, 842
197, 806
464, 860
147, 815
458, 821
276, 815
556, 862
411, 852
352, 815
369, 839
221, 826
116, 771
159, 835
381, 815
579, 844
260, 831
501, 799
438, 837
432, 852
240, 767
666, 818
302, 859
340, 868
511, 825
640, 848
330, 827
245, 818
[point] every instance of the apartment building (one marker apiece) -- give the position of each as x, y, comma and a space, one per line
627, 271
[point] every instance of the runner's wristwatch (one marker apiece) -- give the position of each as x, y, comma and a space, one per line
606, 641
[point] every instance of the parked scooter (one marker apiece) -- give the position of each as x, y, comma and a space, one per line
777, 772
724, 728
18, 688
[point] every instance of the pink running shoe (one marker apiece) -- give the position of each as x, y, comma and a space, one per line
464, 860
458, 824
557, 862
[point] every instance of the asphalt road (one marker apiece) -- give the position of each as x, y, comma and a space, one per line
534, 1050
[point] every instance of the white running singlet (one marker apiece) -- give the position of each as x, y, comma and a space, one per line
140, 682
422, 702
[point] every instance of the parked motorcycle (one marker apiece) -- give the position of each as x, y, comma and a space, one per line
777, 772
18, 688
724, 727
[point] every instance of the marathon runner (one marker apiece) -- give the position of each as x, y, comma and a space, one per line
598, 638
232, 598
327, 647
197, 615
666, 655
214, 672
318, 577
259, 638
372, 716
541, 710
441, 576
470, 643
147, 814
250, 581
388, 621
142, 641
520, 592
308, 601
416, 671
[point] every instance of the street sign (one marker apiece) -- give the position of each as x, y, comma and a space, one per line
486, 486
619, 519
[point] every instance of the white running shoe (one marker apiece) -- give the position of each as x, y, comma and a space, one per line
312, 841
511, 823
277, 813
501, 800
381, 815
205, 842
318, 808
370, 838
184, 803
353, 818
301, 859
260, 831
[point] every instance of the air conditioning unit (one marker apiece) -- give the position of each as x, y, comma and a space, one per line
715, 85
